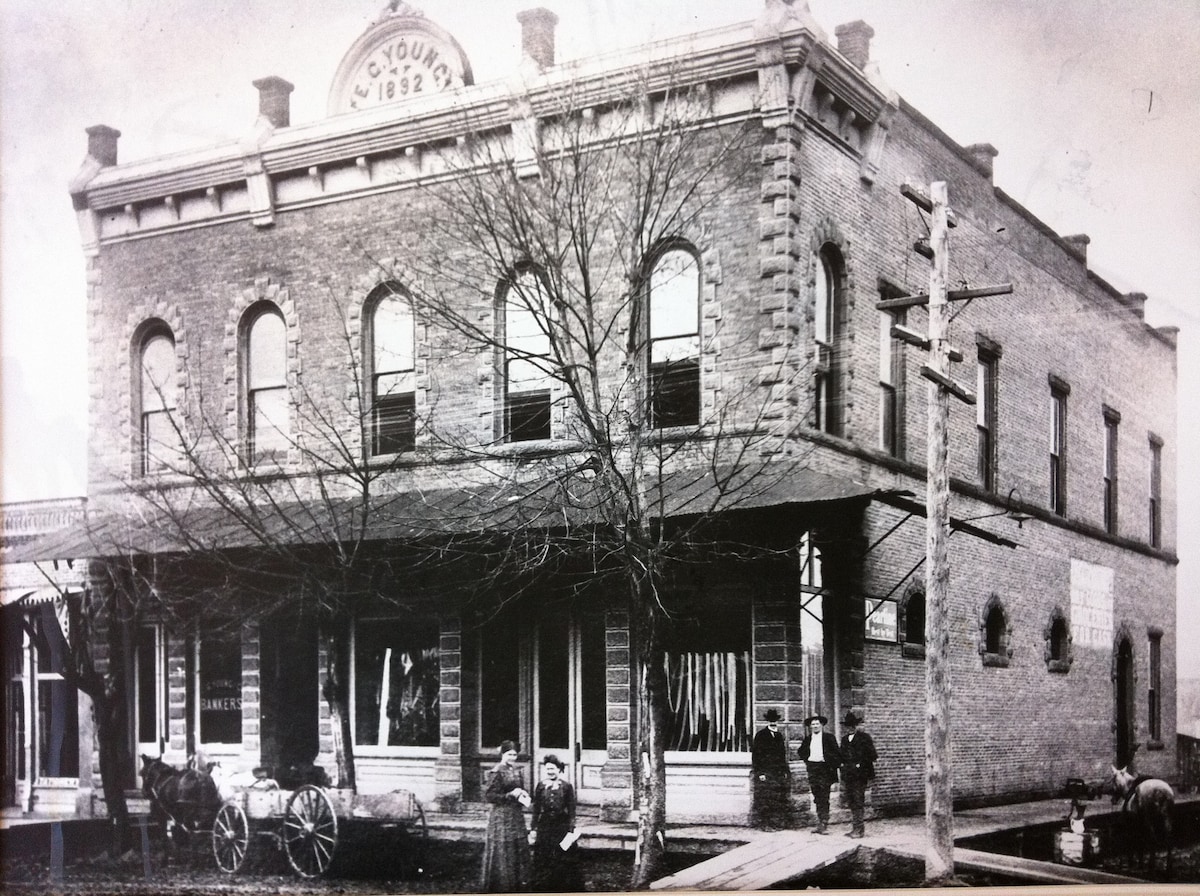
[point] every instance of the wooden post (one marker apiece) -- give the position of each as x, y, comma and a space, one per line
939, 815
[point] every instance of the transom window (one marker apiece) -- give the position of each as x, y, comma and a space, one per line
674, 347
267, 416
392, 337
528, 366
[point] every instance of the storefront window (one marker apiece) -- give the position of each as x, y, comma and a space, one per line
709, 683
221, 689
397, 674
500, 689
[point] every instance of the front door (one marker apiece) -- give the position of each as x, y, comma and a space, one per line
150, 690
1124, 699
569, 697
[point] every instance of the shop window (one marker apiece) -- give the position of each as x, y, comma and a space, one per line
220, 687
160, 446
1058, 446
397, 679
912, 624
1058, 642
528, 365
995, 635
674, 347
267, 419
831, 350
391, 351
710, 687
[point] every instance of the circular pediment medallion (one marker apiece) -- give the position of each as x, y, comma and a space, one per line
401, 56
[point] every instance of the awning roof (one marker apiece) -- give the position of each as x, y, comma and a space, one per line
413, 515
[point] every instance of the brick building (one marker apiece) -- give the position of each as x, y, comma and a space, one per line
248, 300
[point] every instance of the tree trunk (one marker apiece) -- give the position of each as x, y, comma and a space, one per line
109, 711
337, 695
650, 773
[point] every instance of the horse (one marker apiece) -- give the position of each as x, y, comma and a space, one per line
1146, 805
183, 802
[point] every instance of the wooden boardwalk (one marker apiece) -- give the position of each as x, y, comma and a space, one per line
766, 860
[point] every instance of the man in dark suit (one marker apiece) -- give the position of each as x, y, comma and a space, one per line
858, 768
821, 759
770, 777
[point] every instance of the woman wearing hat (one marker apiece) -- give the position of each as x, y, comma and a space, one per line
858, 768
821, 759
506, 847
555, 867
770, 777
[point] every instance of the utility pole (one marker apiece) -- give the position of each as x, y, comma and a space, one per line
939, 792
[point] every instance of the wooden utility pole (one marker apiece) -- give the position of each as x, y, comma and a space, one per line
939, 809
939, 793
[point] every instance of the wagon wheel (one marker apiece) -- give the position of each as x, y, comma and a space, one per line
230, 837
309, 831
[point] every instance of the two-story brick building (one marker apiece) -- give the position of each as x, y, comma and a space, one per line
248, 300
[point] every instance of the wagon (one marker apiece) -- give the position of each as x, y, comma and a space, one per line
307, 824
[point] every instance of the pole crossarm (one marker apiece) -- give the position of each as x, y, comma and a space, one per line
922, 200
912, 337
953, 295
964, 395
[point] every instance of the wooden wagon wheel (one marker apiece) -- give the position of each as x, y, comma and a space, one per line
310, 831
230, 837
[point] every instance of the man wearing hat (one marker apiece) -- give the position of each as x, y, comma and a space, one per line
858, 768
821, 758
770, 777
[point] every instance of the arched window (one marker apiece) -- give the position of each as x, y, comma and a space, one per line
912, 624
829, 333
391, 351
528, 366
995, 634
268, 425
160, 445
1058, 642
674, 344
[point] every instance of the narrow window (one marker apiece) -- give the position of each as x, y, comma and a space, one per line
1154, 697
674, 372
502, 644
220, 687
528, 369
392, 354
1058, 642
1058, 447
891, 384
913, 632
995, 638
987, 370
268, 424
1155, 491
829, 326
160, 446
1112, 421
150, 681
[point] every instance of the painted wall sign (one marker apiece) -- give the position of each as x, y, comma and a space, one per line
403, 55
1091, 605
881, 620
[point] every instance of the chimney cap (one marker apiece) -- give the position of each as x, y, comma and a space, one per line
102, 143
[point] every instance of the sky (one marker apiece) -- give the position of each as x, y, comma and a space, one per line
1094, 106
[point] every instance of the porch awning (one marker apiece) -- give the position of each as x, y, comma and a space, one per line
548, 503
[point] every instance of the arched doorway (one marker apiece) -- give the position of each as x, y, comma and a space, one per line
1123, 685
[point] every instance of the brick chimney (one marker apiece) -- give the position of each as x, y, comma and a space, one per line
537, 35
854, 42
102, 144
982, 155
274, 102
1137, 303
1078, 243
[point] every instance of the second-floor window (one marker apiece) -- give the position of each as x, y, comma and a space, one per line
1155, 491
891, 385
392, 354
829, 333
674, 346
1058, 448
1112, 421
528, 367
159, 427
987, 370
268, 425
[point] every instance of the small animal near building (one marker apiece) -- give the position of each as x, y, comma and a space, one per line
366, 390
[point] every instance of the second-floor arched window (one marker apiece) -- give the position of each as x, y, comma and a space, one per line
829, 333
528, 365
268, 423
674, 338
392, 353
159, 428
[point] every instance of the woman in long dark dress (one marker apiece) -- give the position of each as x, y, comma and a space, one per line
506, 849
555, 870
